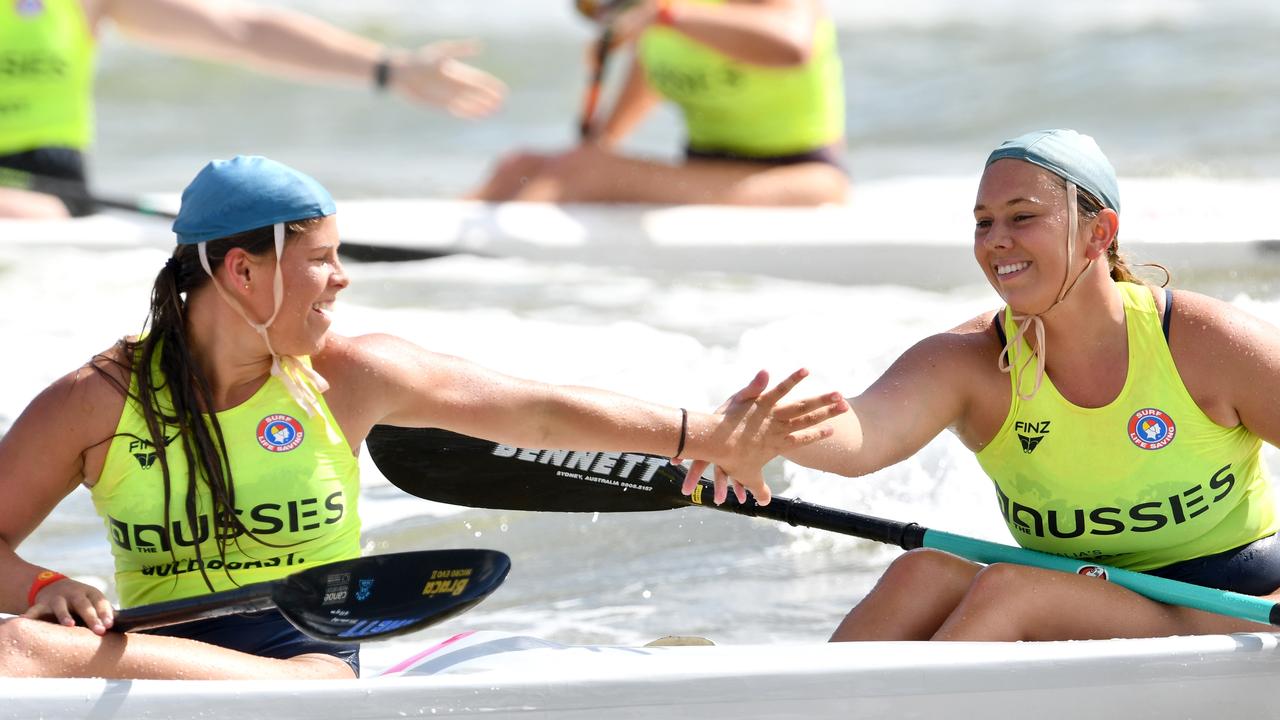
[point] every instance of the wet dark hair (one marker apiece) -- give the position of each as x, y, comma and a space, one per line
161, 360
1088, 208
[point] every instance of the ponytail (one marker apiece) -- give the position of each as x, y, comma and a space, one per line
174, 394
1089, 207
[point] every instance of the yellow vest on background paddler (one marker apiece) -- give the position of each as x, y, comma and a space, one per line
46, 76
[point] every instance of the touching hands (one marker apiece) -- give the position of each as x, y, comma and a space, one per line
434, 74
753, 428
65, 599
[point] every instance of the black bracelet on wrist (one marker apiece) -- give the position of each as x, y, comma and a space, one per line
684, 431
382, 73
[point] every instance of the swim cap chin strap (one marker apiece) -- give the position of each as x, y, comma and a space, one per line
1034, 321
298, 378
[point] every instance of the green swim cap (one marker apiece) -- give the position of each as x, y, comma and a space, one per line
1069, 155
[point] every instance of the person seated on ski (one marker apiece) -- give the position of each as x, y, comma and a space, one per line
238, 400
46, 99
760, 86
1120, 423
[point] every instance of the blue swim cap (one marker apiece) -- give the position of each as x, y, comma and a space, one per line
247, 192
1069, 155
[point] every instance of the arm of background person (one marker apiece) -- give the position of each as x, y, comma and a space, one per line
296, 45
634, 103
768, 32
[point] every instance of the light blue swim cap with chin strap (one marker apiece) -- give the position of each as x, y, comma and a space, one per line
1078, 160
1071, 156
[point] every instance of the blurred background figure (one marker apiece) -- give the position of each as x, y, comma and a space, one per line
760, 87
48, 50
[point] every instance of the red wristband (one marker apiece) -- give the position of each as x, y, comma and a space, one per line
665, 15
47, 577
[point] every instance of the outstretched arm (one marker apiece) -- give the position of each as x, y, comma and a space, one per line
292, 44
769, 32
929, 388
383, 379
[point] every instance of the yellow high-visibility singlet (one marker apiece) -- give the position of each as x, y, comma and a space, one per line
1145, 481
743, 109
46, 75
297, 489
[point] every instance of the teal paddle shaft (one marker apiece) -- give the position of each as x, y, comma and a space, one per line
1164, 590
909, 536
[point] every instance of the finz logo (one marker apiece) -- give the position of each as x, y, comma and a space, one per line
144, 451
28, 8
1151, 429
1031, 433
1092, 571
279, 433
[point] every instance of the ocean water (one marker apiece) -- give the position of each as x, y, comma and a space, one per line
1170, 89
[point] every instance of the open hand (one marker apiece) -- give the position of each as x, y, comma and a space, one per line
435, 75
752, 428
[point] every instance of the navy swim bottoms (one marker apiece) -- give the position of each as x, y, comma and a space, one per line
826, 155
57, 171
266, 634
1252, 569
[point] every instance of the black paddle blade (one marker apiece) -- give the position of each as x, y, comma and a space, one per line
386, 595
448, 467
461, 470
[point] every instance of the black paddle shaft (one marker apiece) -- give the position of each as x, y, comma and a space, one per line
357, 250
461, 470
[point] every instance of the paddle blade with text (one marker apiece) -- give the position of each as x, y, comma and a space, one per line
447, 467
388, 595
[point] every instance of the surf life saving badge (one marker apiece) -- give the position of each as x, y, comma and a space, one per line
1151, 429
279, 433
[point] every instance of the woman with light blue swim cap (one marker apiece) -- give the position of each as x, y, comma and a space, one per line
240, 396
1119, 423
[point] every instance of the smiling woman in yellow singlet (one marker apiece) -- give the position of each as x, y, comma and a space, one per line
220, 447
759, 85
1119, 422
